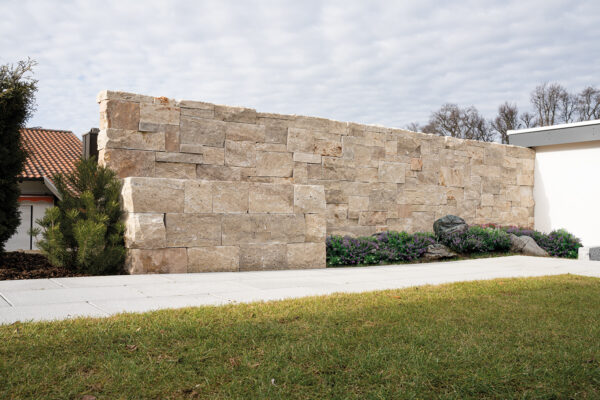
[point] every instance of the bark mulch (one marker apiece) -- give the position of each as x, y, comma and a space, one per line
20, 265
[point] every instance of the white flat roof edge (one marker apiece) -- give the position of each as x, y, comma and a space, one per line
552, 127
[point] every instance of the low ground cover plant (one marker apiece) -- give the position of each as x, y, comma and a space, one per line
558, 243
478, 239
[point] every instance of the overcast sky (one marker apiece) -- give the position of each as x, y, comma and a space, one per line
386, 62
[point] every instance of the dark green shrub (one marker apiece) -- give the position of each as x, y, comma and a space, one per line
478, 239
351, 251
402, 246
84, 231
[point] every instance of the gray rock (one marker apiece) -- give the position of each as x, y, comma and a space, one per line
595, 253
438, 251
448, 225
527, 246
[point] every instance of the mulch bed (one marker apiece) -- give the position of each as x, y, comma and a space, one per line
20, 265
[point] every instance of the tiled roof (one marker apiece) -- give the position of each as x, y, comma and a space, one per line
50, 152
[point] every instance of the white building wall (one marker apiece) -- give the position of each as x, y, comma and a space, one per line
567, 190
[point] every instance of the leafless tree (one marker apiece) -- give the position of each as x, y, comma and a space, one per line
568, 107
464, 123
506, 120
546, 100
414, 127
528, 120
588, 104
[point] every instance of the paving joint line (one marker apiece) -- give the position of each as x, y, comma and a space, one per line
99, 308
6, 300
58, 283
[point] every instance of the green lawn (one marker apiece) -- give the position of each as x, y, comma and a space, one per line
510, 338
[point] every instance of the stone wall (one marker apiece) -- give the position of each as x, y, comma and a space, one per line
212, 187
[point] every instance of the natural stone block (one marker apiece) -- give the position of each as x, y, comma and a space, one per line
144, 231
487, 199
202, 131
245, 132
452, 177
123, 96
174, 170
525, 179
157, 195
274, 164
128, 162
263, 257
276, 130
119, 115
300, 173
334, 168
271, 198
328, 148
235, 114
240, 154
161, 114
306, 255
300, 140
314, 171
198, 197
307, 158
262, 228
172, 142
316, 228
309, 199
372, 217
416, 164
179, 158
157, 261
337, 214
358, 203
272, 147
193, 230
213, 259
125, 139
218, 173
230, 197
392, 172
367, 174
207, 112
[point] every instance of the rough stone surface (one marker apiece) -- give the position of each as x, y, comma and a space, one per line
306, 255
123, 139
154, 195
448, 225
527, 246
309, 199
193, 230
157, 261
271, 198
145, 231
263, 256
438, 251
213, 259
594, 253
128, 162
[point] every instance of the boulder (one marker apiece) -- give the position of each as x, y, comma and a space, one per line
448, 225
527, 246
438, 251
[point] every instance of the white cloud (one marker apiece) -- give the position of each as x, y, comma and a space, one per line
379, 62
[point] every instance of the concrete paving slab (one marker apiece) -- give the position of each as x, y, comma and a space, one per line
49, 312
157, 303
113, 280
27, 284
70, 295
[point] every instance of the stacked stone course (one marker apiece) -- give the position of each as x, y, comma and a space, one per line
214, 188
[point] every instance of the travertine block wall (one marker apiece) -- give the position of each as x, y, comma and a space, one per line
277, 183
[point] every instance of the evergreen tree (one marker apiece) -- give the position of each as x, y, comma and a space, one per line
17, 97
84, 231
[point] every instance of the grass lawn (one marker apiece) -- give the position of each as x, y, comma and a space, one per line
510, 338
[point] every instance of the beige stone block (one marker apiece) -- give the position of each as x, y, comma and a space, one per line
175, 170
525, 179
230, 197
309, 199
491, 185
119, 115
172, 139
452, 176
274, 164
493, 154
125, 139
306, 255
328, 148
307, 158
193, 230
422, 221
163, 114
367, 174
195, 105
300, 174
337, 214
314, 171
316, 228
392, 172
128, 162
197, 197
391, 149
358, 203
123, 96
213, 259
197, 113
416, 164
526, 196
244, 132
144, 231
156, 261
271, 198
520, 152
179, 157
276, 130
404, 211
382, 198
202, 131
487, 199
300, 140
158, 195
416, 196
210, 155
334, 168
218, 173
235, 114
335, 196
255, 257
372, 217
272, 147
262, 228
240, 154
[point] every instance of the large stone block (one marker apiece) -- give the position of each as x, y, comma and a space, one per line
175, 170
154, 195
202, 131
328, 148
198, 197
218, 173
271, 198
245, 132
119, 115
193, 230
274, 164
128, 162
235, 114
145, 231
156, 261
372, 218
125, 139
230, 197
392, 172
452, 176
307, 158
306, 255
263, 257
159, 114
179, 157
213, 259
316, 228
309, 199
262, 228
300, 140
240, 154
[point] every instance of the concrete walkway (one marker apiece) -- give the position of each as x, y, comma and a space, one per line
48, 299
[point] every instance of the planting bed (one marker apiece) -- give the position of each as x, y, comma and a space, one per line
20, 265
